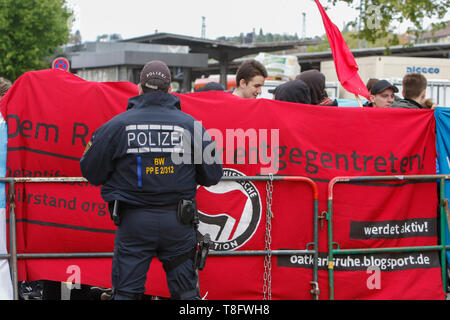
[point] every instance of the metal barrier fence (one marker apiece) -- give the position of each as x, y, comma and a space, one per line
443, 204
13, 255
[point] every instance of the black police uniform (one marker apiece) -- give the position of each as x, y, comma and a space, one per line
148, 159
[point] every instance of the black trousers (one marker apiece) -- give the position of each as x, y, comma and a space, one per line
145, 234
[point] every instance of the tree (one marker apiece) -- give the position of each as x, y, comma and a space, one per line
379, 16
30, 31
351, 38
75, 39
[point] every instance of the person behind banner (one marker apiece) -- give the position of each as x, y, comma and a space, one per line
371, 82
315, 80
382, 94
213, 86
430, 104
293, 91
5, 85
414, 91
135, 157
369, 85
250, 78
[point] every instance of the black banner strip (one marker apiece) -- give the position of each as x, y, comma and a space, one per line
64, 226
393, 229
363, 262
43, 152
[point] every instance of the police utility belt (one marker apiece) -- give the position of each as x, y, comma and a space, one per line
187, 214
186, 211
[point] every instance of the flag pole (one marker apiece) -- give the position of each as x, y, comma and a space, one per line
359, 100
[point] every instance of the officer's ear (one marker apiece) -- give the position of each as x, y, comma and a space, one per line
140, 89
170, 89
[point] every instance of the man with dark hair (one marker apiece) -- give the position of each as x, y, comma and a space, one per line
136, 158
250, 78
414, 90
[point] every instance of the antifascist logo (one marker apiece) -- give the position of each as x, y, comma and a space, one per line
229, 211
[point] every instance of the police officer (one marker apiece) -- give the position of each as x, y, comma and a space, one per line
144, 160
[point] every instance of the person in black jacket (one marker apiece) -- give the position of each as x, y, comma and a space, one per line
147, 161
316, 83
293, 91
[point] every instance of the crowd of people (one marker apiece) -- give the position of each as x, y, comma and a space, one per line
309, 88
382, 93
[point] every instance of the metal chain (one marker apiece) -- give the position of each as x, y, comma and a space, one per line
267, 288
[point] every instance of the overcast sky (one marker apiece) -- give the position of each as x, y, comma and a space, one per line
134, 18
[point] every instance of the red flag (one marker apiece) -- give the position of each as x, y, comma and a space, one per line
346, 67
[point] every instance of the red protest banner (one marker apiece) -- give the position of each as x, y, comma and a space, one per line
322, 143
51, 114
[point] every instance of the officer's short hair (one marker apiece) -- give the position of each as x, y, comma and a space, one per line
155, 77
249, 69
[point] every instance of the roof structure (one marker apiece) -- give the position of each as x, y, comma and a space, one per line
222, 51
436, 50
216, 48
444, 32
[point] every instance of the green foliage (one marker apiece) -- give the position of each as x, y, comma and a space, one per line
351, 38
260, 37
379, 17
30, 32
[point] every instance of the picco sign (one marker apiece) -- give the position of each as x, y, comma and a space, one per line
430, 70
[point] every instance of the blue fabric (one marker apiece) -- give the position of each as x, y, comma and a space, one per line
442, 116
139, 172
3, 144
350, 102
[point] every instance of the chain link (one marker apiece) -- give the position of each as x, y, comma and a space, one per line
267, 288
